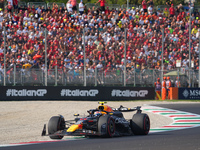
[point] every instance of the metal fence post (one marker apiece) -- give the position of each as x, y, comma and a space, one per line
4, 51
45, 56
190, 45
153, 77
22, 81
125, 59
162, 55
14, 74
199, 59
62, 77
84, 69
95, 73
192, 78
56, 75
103, 79
134, 77
43, 78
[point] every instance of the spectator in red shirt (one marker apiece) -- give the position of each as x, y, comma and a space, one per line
144, 5
9, 7
102, 4
107, 11
172, 11
15, 4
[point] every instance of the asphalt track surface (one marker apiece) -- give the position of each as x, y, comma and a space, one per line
185, 139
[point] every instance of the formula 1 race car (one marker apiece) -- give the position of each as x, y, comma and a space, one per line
104, 121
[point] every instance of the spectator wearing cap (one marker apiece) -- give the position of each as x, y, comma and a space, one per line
144, 5
9, 6
132, 11
194, 30
69, 6
107, 11
172, 10
166, 12
81, 7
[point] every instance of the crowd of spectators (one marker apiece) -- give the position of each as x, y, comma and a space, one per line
104, 37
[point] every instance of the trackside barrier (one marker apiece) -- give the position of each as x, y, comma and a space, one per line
76, 93
173, 93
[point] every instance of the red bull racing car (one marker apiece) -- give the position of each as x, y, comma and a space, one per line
103, 121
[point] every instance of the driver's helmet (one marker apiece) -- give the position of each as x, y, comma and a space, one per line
98, 113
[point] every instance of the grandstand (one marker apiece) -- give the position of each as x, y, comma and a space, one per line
104, 35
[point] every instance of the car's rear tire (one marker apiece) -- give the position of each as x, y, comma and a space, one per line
106, 126
140, 124
55, 124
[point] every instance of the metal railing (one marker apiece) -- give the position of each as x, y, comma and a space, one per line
111, 6
59, 5
90, 5
22, 4
130, 6
75, 77
36, 4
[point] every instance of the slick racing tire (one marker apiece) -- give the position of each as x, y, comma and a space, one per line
140, 124
55, 124
106, 126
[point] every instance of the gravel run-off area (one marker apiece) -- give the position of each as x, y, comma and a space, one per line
23, 121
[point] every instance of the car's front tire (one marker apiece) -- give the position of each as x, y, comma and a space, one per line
106, 126
55, 124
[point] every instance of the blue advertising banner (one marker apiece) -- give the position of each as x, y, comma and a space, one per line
189, 93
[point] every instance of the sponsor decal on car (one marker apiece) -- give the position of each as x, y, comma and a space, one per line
89, 131
120, 120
